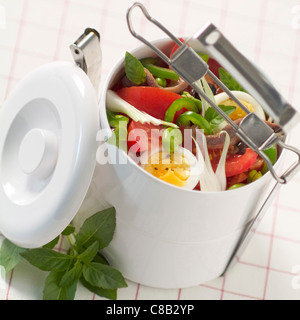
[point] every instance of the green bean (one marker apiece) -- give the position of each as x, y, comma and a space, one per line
161, 82
182, 103
119, 134
235, 186
196, 118
253, 176
114, 120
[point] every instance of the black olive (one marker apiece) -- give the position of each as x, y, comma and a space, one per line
241, 147
213, 88
194, 94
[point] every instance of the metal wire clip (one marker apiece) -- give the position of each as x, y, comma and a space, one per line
86, 52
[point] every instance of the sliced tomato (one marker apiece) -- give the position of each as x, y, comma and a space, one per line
237, 163
154, 101
142, 137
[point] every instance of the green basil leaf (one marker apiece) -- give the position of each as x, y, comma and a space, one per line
134, 69
47, 259
10, 255
52, 244
89, 254
100, 258
100, 226
68, 230
72, 275
52, 290
103, 276
229, 81
106, 293
212, 116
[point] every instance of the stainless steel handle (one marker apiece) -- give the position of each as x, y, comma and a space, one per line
248, 75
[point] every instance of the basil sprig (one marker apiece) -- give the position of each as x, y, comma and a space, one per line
134, 69
229, 81
83, 261
213, 117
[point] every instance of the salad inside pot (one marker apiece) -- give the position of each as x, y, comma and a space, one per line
163, 124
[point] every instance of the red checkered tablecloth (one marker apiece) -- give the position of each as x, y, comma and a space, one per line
36, 32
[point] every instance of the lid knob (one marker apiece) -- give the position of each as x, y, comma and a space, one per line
38, 153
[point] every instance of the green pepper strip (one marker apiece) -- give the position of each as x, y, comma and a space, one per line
272, 155
177, 105
166, 73
171, 139
196, 119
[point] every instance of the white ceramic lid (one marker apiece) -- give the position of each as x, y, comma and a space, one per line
48, 129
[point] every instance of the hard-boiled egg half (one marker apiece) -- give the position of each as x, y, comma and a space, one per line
248, 101
179, 168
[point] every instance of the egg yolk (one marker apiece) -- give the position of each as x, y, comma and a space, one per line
171, 168
238, 112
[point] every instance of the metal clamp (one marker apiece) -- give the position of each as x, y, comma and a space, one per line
248, 75
191, 68
86, 52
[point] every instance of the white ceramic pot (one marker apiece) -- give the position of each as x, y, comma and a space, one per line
166, 236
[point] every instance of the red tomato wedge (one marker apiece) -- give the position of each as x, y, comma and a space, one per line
214, 66
154, 101
142, 137
176, 46
237, 163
